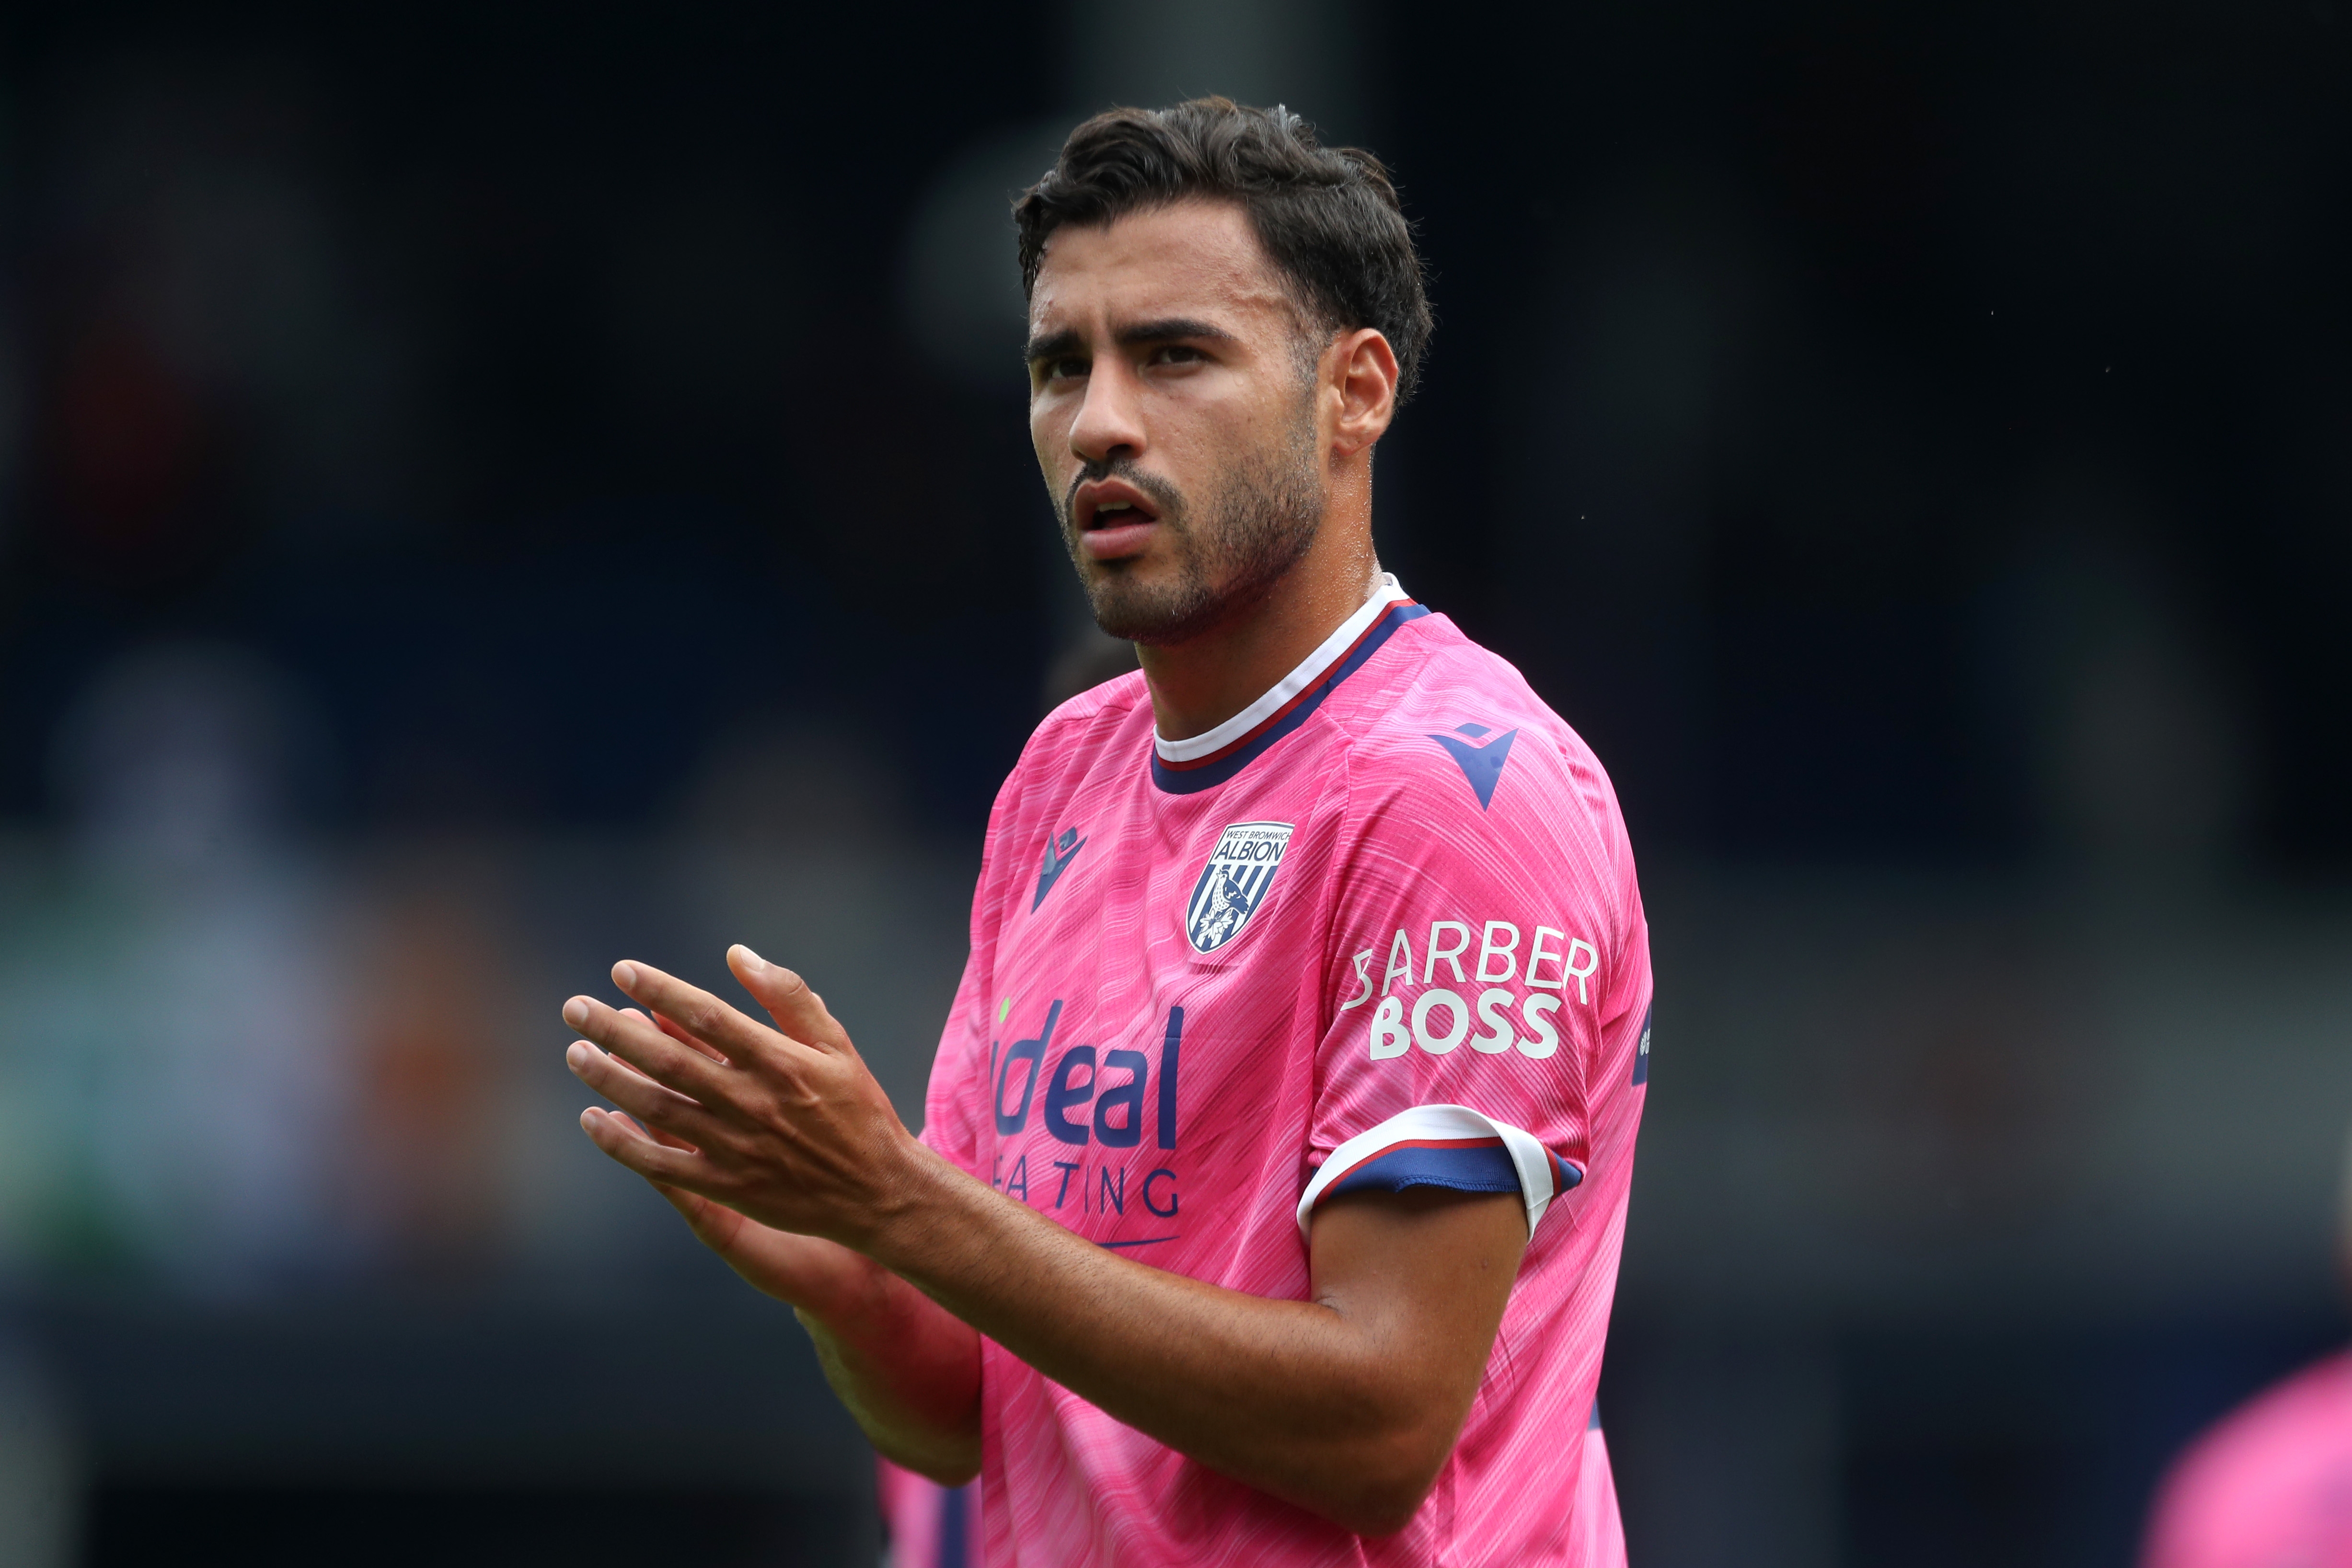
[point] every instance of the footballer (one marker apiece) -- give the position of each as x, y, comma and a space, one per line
1275, 1161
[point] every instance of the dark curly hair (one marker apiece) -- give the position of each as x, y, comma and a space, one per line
1328, 216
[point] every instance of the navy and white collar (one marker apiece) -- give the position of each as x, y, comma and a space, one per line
1203, 760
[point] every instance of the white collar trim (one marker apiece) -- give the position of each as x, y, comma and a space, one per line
1386, 593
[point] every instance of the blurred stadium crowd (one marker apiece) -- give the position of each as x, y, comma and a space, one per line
487, 490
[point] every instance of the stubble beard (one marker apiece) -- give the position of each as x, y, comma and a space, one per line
1248, 536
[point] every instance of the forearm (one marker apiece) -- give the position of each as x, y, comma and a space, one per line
1294, 1398
1347, 1404
908, 1370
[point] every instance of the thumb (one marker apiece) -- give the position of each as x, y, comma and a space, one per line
798, 1011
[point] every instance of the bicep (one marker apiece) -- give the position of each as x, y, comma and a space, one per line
1422, 1275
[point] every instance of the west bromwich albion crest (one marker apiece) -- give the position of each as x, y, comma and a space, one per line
1235, 882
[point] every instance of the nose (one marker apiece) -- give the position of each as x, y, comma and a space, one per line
1111, 420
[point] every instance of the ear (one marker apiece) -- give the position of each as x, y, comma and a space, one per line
1362, 370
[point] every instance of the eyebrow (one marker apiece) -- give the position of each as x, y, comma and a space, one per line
1053, 345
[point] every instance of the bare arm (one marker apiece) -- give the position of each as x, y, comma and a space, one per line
908, 1370
1346, 1404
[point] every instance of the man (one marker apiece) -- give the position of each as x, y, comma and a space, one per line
2270, 1485
1274, 1165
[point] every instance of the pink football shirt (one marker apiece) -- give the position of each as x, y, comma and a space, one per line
1379, 931
929, 1525
2271, 1487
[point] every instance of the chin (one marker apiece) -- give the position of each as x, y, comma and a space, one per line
1155, 615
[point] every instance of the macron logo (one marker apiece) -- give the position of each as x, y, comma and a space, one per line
1482, 760
1058, 855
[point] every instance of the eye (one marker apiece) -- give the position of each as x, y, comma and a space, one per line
1066, 368
1177, 354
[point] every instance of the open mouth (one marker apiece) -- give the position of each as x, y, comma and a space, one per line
1115, 520
1104, 504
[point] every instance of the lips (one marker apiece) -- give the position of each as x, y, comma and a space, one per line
1110, 504
1114, 518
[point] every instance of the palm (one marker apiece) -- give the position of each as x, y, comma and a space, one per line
799, 1269
788, 1267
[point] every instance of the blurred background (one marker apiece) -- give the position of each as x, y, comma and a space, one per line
488, 489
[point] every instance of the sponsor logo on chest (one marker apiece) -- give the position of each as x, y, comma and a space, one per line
1234, 883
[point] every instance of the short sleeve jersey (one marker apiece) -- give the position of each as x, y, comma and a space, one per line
1379, 931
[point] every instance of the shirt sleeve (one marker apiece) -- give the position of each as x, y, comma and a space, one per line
1486, 967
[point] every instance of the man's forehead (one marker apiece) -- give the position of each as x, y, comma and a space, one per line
1190, 258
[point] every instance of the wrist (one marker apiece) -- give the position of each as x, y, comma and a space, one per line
867, 1309
847, 1292
918, 1205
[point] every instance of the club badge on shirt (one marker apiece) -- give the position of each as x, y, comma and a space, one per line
1234, 883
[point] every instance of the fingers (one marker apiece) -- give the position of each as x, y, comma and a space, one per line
632, 1036
655, 1163
668, 1140
672, 1031
671, 1028
633, 1013
696, 1011
798, 1011
666, 1137
713, 1223
697, 1209
652, 1103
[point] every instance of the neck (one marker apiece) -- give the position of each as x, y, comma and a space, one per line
1199, 684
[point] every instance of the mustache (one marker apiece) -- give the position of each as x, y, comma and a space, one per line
1163, 495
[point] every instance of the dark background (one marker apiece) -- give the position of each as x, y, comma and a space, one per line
487, 488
